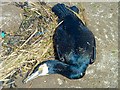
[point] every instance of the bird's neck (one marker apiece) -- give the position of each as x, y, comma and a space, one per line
69, 71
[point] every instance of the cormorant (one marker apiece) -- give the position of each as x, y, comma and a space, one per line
74, 46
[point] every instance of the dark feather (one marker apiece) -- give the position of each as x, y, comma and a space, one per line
73, 36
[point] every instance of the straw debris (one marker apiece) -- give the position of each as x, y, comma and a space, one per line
31, 43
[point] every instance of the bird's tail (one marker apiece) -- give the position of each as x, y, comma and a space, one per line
62, 11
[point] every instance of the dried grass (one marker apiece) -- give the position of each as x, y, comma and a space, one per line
30, 47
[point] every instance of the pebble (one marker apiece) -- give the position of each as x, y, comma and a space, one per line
60, 82
45, 81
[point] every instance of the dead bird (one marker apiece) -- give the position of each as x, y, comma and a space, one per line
74, 46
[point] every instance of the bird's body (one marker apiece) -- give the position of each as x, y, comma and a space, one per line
74, 46
73, 37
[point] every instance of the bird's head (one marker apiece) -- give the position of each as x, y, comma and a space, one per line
39, 70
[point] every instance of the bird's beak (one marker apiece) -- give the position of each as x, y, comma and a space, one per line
31, 77
41, 71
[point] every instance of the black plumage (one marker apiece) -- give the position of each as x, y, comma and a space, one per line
72, 36
74, 45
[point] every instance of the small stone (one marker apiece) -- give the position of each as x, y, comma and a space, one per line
45, 81
60, 82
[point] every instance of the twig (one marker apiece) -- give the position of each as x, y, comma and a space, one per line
59, 24
11, 62
8, 74
37, 40
29, 38
29, 61
46, 49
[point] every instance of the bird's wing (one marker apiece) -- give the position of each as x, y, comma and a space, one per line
87, 42
76, 41
63, 43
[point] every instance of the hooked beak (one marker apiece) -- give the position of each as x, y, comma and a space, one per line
31, 77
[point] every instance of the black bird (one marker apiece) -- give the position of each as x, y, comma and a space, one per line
74, 46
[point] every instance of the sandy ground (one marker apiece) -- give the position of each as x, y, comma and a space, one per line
103, 22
